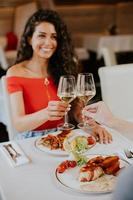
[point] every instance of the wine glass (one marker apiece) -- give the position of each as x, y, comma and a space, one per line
66, 92
85, 92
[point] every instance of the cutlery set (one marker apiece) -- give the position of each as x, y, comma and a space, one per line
12, 152
128, 153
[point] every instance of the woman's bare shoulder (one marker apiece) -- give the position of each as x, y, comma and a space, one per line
16, 70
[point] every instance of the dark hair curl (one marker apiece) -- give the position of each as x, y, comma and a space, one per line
63, 61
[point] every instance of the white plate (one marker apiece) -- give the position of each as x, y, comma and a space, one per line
69, 179
58, 152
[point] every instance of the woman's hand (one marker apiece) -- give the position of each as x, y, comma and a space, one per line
100, 133
56, 110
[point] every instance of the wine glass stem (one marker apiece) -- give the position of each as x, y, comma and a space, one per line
65, 119
85, 120
85, 123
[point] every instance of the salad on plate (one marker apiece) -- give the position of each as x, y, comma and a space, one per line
79, 144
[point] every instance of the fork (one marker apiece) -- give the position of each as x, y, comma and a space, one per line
128, 153
131, 152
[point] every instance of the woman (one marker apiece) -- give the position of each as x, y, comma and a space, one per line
45, 53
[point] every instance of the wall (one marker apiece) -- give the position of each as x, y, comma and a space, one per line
6, 20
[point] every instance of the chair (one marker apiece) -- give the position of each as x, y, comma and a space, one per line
108, 56
116, 87
3, 59
7, 109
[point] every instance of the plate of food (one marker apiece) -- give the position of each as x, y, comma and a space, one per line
97, 175
57, 143
53, 143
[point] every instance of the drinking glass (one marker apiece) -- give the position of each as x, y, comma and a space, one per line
66, 92
85, 92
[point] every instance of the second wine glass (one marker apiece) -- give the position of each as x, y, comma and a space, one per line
85, 92
66, 92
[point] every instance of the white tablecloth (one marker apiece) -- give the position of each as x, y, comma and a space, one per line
37, 181
117, 43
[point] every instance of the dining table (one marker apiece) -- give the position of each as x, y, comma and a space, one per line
117, 43
37, 180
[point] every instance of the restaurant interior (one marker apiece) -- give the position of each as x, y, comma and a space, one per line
98, 29
102, 37
93, 25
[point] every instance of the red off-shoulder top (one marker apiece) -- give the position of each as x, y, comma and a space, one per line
37, 92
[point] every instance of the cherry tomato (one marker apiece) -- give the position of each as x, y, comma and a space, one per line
90, 140
65, 165
72, 163
61, 168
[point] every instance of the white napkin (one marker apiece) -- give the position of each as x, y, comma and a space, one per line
13, 153
122, 155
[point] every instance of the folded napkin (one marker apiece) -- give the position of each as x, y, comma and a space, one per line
122, 156
13, 153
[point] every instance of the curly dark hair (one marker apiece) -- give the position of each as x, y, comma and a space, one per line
63, 61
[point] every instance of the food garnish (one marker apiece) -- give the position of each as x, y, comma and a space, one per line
80, 159
66, 165
91, 140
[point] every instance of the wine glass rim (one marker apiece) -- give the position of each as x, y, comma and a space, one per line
68, 76
85, 73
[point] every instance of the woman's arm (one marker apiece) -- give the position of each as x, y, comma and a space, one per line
23, 122
122, 126
101, 113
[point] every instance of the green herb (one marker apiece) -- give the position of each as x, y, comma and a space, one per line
80, 159
81, 144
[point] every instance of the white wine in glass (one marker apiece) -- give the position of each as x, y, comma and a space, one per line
66, 92
86, 97
67, 98
85, 92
